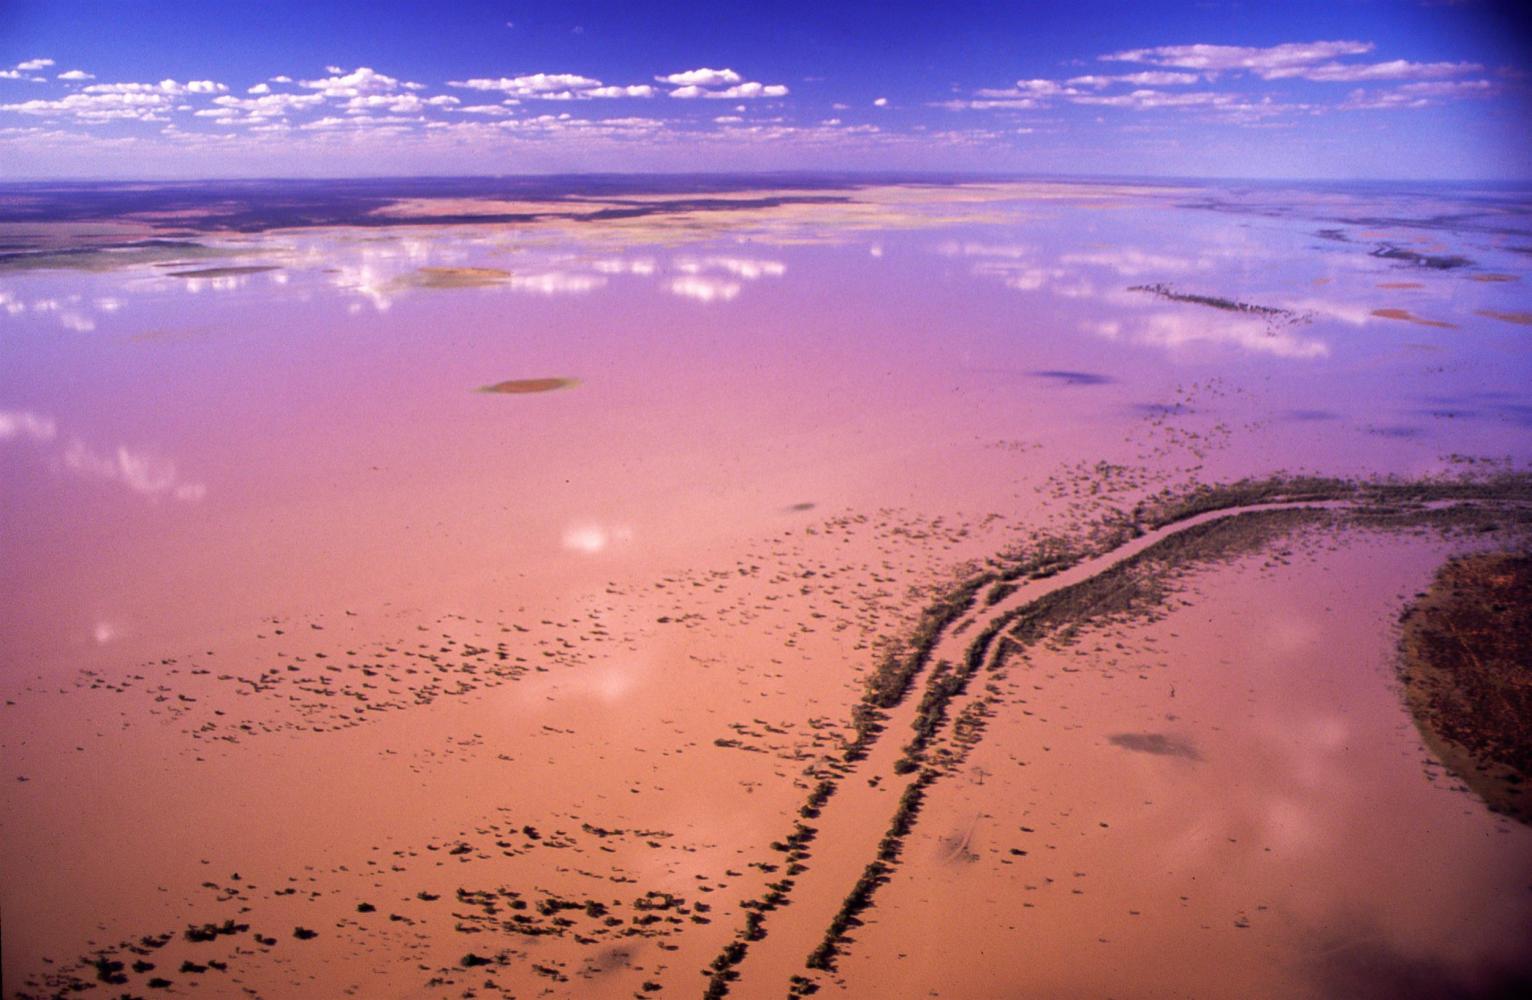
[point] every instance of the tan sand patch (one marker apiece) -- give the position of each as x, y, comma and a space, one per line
1409, 317
521, 386
1520, 318
457, 277
59, 235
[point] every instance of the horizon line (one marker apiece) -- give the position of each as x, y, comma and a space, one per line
890, 176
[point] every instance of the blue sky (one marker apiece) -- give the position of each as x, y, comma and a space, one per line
1341, 89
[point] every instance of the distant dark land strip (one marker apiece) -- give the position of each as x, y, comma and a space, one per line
257, 206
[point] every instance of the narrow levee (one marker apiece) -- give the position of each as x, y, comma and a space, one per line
858, 831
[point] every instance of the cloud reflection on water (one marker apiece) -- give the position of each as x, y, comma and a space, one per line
556, 283
1130, 262
25, 423
644, 266
589, 538
749, 268
387, 272
142, 471
72, 311
1176, 331
704, 288
1078, 275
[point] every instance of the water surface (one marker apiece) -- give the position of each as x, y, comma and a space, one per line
730, 443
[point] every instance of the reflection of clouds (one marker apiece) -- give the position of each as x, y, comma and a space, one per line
414, 248
72, 311
591, 538
216, 283
1022, 267
1131, 262
1173, 331
375, 272
611, 681
1015, 251
556, 283
607, 681
141, 472
749, 268
1027, 277
370, 269
1023, 279
704, 288
1016, 265
1350, 313
1289, 823
366, 281
1019, 266
26, 424
624, 265
695, 282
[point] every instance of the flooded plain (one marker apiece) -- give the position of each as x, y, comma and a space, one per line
613, 590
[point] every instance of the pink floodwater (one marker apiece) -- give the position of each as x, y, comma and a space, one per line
779, 446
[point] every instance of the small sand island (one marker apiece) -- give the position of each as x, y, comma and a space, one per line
523, 386
458, 277
232, 271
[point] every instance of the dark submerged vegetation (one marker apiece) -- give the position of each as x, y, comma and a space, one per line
1466, 667
1164, 291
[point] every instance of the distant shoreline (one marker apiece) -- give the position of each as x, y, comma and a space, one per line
262, 205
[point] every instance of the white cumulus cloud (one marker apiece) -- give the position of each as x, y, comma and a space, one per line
1269, 61
362, 80
636, 90
1396, 69
553, 87
703, 77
